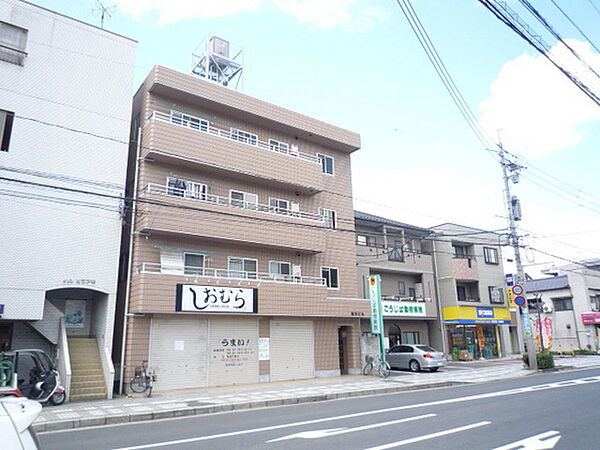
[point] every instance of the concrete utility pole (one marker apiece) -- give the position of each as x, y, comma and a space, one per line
523, 325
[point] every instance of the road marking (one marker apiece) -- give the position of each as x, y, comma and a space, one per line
430, 436
367, 413
542, 441
316, 434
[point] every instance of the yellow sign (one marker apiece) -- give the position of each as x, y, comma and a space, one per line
511, 298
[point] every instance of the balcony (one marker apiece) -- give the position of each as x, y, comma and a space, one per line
197, 219
214, 273
394, 260
175, 193
465, 269
193, 141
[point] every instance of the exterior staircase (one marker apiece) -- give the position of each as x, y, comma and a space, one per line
87, 378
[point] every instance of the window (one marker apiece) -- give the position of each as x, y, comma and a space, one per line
412, 293
410, 337
459, 251
362, 239
243, 199
12, 43
193, 264
185, 120
595, 302
185, 188
329, 217
242, 268
6, 123
401, 288
326, 163
277, 146
495, 294
562, 304
331, 275
243, 136
278, 205
461, 293
490, 255
280, 268
395, 252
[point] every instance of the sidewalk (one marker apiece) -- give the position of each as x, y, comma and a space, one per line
210, 400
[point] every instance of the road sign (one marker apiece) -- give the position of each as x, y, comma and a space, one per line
519, 301
517, 289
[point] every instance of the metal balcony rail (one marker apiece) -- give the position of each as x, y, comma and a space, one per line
160, 189
210, 272
202, 125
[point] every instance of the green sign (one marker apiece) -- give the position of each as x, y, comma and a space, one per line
403, 309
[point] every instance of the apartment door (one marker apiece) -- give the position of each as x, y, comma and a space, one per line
5, 336
343, 349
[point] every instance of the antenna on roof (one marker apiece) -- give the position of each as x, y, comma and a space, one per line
103, 12
216, 64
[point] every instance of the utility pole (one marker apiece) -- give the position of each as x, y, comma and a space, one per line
514, 214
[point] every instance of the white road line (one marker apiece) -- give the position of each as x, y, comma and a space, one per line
377, 411
316, 434
430, 436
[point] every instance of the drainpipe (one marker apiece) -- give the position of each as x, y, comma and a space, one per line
436, 283
130, 262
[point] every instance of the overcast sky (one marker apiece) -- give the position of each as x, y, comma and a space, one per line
356, 64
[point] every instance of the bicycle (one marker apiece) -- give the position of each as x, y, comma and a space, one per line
382, 367
143, 380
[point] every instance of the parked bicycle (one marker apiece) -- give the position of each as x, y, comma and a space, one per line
381, 367
143, 380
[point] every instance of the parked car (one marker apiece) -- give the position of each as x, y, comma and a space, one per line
16, 416
415, 357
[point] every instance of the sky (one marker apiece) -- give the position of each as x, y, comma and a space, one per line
358, 65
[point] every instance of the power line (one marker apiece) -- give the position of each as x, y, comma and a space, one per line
594, 6
575, 25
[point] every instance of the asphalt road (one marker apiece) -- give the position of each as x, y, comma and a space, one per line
562, 407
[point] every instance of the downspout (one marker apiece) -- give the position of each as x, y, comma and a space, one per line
130, 262
436, 284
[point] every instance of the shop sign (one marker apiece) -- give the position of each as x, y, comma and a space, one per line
403, 309
375, 296
511, 298
215, 299
510, 280
485, 313
526, 324
589, 318
263, 349
233, 352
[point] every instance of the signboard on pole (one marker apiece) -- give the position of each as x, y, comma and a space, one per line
375, 296
510, 280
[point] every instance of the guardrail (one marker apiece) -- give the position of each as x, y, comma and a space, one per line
209, 272
160, 189
203, 126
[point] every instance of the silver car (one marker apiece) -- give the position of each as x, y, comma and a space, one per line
415, 357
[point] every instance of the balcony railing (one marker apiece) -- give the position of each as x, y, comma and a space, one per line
203, 126
160, 189
209, 272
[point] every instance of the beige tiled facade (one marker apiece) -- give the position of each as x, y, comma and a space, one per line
211, 224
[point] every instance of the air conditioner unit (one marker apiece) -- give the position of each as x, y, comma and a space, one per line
296, 270
294, 150
419, 290
547, 308
218, 46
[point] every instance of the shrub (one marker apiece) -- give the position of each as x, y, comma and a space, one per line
585, 352
544, 360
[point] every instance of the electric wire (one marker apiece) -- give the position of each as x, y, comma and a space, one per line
575, 25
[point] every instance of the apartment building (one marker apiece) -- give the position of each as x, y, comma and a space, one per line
63, 84
565, 307
471, 283
243, 263
401, 254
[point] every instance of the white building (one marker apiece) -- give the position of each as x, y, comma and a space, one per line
569, 306
65, 103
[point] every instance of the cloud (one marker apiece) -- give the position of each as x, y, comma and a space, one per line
320, 14
536, 108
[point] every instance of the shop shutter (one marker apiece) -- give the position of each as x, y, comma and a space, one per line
292, 350
233, 351
178, 352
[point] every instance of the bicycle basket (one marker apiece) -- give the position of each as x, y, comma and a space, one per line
369, 359
139, 372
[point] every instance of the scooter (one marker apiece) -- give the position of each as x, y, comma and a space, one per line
43, 384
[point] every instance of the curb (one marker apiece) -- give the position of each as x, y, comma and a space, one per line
133, 417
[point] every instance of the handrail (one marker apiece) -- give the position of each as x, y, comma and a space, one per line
160, 189
203, 126
210, 272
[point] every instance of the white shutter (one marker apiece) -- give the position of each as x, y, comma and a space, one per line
292, 350
178, 352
